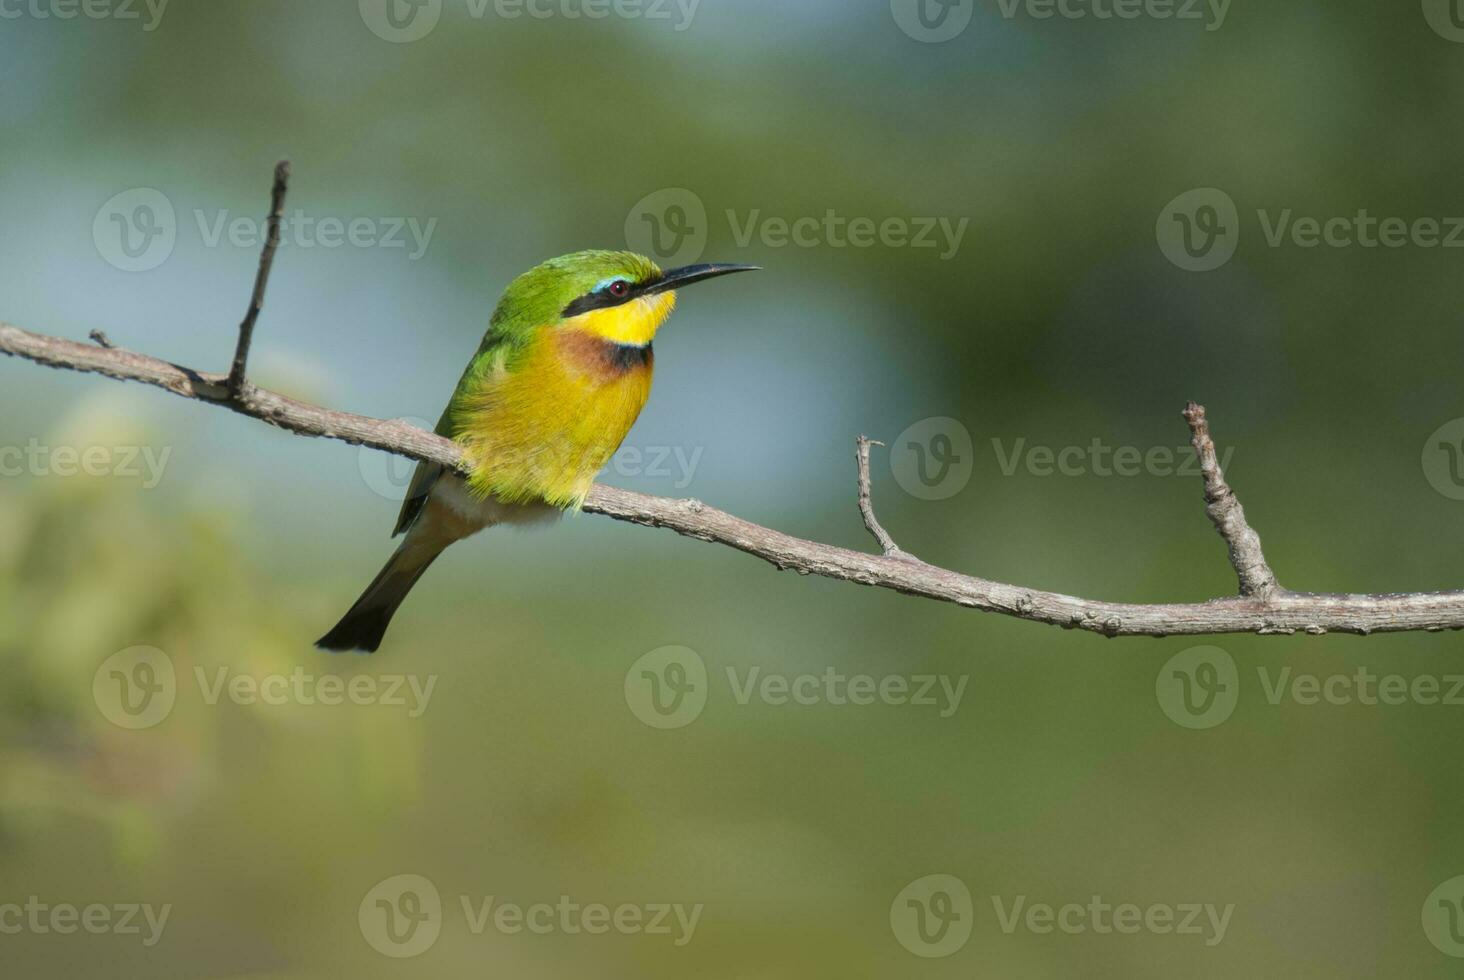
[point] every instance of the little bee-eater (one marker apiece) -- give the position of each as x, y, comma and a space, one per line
560, 377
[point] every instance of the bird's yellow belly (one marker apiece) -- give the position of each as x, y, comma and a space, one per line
545, 430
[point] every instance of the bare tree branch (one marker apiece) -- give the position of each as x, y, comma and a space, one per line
1263, 606
261, 278
866, 501
1281, 612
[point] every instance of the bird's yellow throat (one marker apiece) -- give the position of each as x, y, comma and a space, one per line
634, 323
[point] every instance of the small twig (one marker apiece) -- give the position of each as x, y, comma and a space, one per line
261, 278
1225, 512
866, 502
101, 339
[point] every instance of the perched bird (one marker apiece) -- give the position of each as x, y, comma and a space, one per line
560, 377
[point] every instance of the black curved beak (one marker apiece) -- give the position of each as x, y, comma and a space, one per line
688, 274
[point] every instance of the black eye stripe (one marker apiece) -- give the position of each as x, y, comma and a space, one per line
603, 299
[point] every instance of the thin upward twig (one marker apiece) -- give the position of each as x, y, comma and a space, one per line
261, 278
1225, 512
866, 501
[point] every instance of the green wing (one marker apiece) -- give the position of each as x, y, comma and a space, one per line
498, 341
423, 478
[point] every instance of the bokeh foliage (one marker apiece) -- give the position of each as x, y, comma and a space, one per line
1057, 322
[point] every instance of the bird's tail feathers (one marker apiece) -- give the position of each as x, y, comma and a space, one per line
365, 623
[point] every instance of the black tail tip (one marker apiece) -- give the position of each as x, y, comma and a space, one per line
358, 631
331, 643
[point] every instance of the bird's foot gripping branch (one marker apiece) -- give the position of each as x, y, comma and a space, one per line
1262, 606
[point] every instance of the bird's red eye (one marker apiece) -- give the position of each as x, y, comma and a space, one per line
620, 288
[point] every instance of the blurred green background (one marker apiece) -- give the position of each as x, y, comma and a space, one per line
1057, 321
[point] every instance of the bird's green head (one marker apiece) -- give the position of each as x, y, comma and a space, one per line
618, 296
